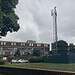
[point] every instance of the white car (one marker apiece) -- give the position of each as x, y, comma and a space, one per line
19, 61
22, 61
14, 61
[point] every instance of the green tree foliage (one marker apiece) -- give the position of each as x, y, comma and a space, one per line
62, 46
36, 60
72, 47
36, 52
8, 18
17, 53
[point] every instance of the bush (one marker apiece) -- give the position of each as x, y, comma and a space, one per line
2, 62
58, 59
35, 60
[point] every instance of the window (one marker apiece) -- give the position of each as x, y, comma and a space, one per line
45, 45
1, 43
4, 43
24, 44
31, 44
15, 49
21, 44
38, 44
12, 43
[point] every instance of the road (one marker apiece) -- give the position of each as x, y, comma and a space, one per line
20, 71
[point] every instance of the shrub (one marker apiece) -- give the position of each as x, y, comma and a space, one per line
2, 62
36, 60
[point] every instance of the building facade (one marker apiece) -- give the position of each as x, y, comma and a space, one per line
9, 47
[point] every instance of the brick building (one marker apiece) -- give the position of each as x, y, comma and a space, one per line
9, 47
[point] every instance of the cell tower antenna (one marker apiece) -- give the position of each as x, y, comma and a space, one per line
54, 15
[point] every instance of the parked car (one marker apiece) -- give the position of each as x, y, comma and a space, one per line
19, 61
22, 61
14, 61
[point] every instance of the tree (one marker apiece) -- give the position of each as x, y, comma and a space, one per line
36, 52
62, 46
72, 47
17, 54
8, 18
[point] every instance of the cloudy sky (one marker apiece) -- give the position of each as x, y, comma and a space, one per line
36, 21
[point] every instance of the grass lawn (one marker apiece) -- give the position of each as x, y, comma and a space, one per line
44, 66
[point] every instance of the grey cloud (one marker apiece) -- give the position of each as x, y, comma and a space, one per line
36, 21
